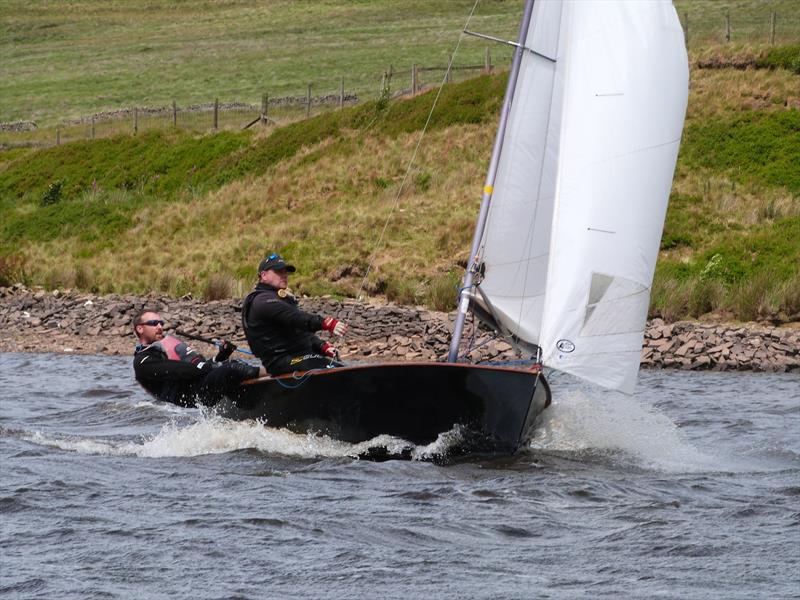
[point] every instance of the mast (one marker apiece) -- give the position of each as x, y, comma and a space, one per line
488, 187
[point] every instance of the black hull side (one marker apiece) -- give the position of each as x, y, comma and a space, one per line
497, 406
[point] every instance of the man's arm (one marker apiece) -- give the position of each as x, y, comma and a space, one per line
284, 313
154, 366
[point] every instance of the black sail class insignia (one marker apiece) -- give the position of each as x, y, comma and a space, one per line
565, 346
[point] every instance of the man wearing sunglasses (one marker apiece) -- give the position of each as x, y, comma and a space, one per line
281, 334
173, 372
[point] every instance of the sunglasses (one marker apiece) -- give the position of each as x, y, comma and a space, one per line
152, 322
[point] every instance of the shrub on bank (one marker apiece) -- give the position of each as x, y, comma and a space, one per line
784, 57
12, 269
751, 147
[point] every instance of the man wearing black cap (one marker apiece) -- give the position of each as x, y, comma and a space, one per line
281, 334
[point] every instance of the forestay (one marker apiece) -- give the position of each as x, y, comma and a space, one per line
584, 177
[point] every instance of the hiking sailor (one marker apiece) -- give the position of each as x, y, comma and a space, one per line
173, 372
281, 334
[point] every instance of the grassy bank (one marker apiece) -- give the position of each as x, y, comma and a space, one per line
319, 190
179, 213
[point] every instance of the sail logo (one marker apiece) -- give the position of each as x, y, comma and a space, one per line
565, 346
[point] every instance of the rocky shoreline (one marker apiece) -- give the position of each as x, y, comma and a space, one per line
66, 321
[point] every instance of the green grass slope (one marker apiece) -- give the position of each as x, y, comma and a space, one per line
182, 213
755, 146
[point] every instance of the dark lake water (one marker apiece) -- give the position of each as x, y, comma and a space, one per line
689, 489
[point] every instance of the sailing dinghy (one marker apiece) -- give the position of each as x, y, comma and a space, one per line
565, 246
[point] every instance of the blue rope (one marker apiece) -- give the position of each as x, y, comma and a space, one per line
238, 349
300, 380
509, 363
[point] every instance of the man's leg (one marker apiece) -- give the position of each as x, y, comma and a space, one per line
224, 381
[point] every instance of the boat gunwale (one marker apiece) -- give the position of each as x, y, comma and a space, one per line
534, 370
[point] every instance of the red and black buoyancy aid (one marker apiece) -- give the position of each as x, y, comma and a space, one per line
175, 349
171, 371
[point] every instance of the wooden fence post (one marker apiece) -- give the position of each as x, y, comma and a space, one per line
92, 126
174, 114
216, 114
449, 75
308, 101
135, 120
341, 92
386, 81
772, 28
686, 28
414, 81
487, 61
264, 108
58, 136
727, 27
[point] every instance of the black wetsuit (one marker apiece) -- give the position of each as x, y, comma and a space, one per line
187, 378
281, 334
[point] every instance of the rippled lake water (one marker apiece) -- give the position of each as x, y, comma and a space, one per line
689, 489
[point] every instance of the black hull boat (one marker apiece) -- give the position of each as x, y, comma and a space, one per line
494, 408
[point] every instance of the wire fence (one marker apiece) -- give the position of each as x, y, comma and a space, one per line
718, 28
216, 115
200, 118
721, 26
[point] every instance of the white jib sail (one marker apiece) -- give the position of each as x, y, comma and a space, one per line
583, 183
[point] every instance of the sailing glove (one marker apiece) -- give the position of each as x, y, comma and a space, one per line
225, 350
335, 326
329, 351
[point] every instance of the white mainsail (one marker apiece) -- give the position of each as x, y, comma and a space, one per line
583, 181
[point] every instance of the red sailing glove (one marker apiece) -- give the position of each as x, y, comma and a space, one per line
329, 351
335, 326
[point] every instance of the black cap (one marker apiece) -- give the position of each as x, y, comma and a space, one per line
275, 261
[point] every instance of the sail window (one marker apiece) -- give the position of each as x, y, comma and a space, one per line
615, 305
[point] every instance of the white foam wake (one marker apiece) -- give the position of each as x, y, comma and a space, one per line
210, 434
578, 422
213, 435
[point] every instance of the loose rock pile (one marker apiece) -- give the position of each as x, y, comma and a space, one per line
697, 346
58, 321
17, 126
34, 320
